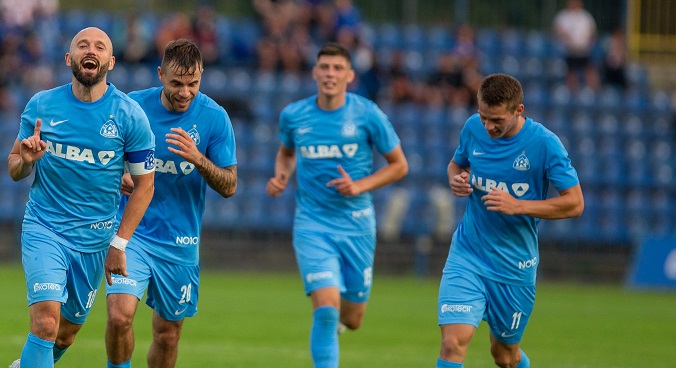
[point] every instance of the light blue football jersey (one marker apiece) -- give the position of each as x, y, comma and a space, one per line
76, 191
325, 139
501, 247
170, 228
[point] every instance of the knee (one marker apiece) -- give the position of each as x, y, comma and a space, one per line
505, 359
167, 337
45, 326
452, 346
352, 320
119, 321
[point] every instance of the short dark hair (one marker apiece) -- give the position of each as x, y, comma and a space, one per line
183, 56
498, 89
334, 49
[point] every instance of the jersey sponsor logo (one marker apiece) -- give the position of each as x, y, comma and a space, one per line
101, 225
44, 286
349, 129
366, 212
186, 167
368, 276
187, 240
450, 308
169, 167
123, 281
55, 123
528, 263
109, 129
521, 163
485, 184
329, 151
75, 153
318, 276
302, 131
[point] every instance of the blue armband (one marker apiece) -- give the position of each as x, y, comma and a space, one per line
141, 162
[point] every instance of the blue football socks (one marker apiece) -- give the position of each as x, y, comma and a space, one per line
37, 353
444, 364
324, 337
58, 353
126, 364
525, 362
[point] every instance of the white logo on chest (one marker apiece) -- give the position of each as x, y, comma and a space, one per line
329, 150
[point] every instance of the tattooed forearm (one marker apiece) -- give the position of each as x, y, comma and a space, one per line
221, 179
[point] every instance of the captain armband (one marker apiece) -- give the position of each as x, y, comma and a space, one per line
141, 162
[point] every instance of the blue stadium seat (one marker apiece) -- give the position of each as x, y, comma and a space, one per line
538, 45
389, 36
488, 41
415, 37
512, 42
439, 38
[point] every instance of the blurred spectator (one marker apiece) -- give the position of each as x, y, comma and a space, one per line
575, 28
446, 85
400, 88
615, 59
286, 44
318, 16
132, 36
175, 26
456, 79
37, 73
21, 13
206, 34
347, 15
277, 17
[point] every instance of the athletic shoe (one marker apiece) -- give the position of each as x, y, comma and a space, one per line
15, 364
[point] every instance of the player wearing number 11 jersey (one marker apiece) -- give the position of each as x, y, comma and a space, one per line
504, 164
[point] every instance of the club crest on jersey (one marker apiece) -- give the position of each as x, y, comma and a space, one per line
349, 129
521, 163
194, 134
109, 129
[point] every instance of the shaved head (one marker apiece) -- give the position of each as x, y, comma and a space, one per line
92, 33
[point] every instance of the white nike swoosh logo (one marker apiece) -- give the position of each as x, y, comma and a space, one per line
178, 313
55, 123
78, 315
477, 153
504, 334
302, 131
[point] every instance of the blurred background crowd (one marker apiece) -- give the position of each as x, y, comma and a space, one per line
422, 65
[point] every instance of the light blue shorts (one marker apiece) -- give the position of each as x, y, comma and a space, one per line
467, 298
172, 289
336, 260
58, 273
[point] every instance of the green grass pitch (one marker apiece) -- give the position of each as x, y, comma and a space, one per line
261, 320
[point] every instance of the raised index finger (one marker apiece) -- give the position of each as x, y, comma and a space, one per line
343, 172
38, 125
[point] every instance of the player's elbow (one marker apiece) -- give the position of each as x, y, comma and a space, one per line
230, 191
578, 209
402, 170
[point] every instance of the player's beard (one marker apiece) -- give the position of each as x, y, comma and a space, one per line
88, 80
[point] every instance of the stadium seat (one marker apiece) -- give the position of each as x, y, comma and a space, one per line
512, 42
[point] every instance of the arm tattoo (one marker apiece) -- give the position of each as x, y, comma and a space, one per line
221, 179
